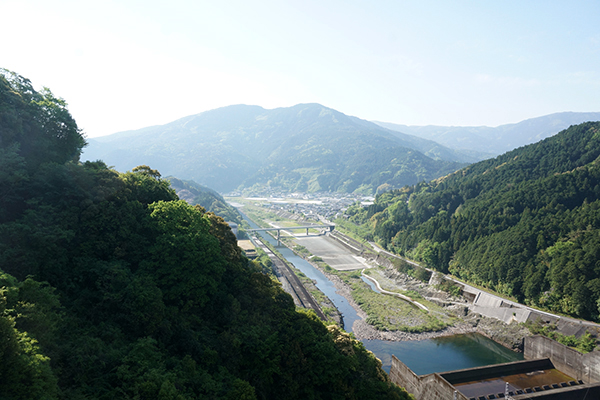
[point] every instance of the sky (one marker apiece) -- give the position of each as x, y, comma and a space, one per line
129, 64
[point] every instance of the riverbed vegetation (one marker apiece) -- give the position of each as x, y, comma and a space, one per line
390, 285
113, 288
388, 312
384, 312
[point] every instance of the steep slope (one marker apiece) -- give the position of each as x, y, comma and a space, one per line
212, 201
308, 147
112, 288
526, 223
498, 140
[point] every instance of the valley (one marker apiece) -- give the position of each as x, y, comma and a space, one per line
140, 281
340, 258
341, 285
445, 315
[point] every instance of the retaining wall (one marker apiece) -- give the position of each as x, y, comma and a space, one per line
492, 371
580, 366
430, 387
349, 243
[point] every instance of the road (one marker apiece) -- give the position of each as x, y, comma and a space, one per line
475, 290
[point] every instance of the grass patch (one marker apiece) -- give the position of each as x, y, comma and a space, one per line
356, 232
384, 282
584, 344
301, 250
389, 313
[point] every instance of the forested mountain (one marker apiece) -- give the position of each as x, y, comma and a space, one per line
525, 224
210, 200
112, 288
498, 140
307, 148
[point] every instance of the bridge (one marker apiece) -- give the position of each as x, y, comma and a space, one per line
307, 227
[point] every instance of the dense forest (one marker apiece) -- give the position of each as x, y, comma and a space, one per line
209, 199
111, 287
525, 224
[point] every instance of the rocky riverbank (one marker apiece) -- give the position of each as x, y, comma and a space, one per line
509, 335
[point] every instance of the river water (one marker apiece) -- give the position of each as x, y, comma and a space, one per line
424, 356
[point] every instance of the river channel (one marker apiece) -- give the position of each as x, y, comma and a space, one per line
424, 356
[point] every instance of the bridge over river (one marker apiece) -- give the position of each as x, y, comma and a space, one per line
279, 229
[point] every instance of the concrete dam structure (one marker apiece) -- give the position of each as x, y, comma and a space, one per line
551, 371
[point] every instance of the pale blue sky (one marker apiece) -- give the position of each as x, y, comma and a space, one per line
130, 64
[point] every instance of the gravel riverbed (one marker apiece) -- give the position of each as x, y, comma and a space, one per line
509, 335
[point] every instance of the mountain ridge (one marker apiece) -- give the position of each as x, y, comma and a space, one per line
303, 146
496, 140
525, 224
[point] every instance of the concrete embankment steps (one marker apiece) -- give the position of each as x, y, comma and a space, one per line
349, 243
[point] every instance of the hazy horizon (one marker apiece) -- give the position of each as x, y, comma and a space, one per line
130, 64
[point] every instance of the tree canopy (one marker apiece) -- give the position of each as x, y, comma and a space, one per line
112, 287
526, 224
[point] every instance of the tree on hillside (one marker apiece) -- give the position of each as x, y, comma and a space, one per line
524, 224
111, 287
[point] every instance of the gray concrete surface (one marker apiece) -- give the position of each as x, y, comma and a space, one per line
334, 254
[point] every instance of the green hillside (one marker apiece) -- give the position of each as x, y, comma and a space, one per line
306, 147
526, 224
210, 200
112, 288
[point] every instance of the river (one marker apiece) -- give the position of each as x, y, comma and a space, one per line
424, 356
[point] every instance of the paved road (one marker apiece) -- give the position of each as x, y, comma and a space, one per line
472, 289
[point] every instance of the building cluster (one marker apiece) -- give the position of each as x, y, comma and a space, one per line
312, 205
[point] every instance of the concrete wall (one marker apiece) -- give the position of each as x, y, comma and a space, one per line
580, 366
403, 376
430, 387
491, 306
506, 315
493, 371
579, 392
349, 243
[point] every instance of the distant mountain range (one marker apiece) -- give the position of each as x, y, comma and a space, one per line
307, 147
311, 148
498, 140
